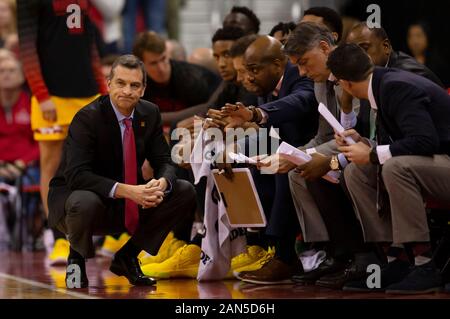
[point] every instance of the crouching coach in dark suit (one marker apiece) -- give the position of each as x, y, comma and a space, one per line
99, 188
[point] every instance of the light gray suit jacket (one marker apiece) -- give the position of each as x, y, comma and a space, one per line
324, 141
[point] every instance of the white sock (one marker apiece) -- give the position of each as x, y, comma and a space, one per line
421, 260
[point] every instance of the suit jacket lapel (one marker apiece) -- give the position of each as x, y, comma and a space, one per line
114, 130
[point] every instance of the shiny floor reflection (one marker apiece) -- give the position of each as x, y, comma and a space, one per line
26, 276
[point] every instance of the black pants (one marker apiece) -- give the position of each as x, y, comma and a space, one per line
86, 214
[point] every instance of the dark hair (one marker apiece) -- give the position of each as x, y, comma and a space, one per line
350, 62
249, 14
240, 46
425, 27
148, 41
305, 37
283, 27
227, 33
109, 59
380, 33
331, 19
129, 61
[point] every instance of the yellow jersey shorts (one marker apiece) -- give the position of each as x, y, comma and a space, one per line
66, 108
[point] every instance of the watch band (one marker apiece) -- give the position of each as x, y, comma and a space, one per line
373, 156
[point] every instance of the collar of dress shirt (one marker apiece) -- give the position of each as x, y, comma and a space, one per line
120, 116
278, 87
332, 78
372, 101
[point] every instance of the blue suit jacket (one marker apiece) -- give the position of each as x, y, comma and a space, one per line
413, 111
294, 112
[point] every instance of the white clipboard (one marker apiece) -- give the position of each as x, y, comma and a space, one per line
240, 198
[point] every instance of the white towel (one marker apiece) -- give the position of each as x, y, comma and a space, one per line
221, 242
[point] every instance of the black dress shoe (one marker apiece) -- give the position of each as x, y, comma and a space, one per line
76, 274
130, 268
338, 279
355, 272
328, 266
390, 274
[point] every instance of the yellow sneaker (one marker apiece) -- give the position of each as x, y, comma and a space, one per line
256, 264
111, 245
58, 277
167, 249
253, 254
60, 252
183, 264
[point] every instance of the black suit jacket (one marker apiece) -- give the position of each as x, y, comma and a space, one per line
294, 111
92, 157
413, 111
400, 61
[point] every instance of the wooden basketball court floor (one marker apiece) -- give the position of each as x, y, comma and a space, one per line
26, 276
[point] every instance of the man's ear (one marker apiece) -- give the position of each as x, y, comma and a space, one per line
325, 47
346, 85
143, 91
278, 64
386, 47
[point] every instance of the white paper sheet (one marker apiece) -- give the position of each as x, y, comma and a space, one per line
298, 157
334, 122
241, 158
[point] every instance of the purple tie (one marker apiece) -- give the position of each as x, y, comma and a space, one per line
130, 170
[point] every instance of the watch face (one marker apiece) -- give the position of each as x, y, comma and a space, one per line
334, 164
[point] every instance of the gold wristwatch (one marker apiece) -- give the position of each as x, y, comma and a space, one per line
334, 163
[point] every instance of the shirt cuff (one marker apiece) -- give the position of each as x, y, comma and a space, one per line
342, 160
169, 188
112, 192
383, 153
265, 116
348, 120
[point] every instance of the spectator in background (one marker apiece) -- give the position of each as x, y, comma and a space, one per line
19, 153
62, 67
325, 16
5, 53
18, 150
107, 63
203, 57
175, 86
8, 25
176, 50
244, 18
110, 11
154, 12
419, 43
282, 30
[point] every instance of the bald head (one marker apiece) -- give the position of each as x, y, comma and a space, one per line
265, 63
264, 49
374, 41
203, 57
